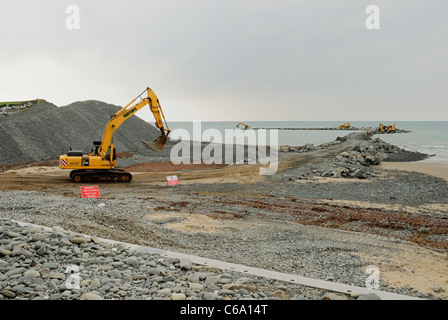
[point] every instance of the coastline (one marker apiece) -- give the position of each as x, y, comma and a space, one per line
434, 168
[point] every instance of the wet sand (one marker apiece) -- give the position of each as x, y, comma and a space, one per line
434, 168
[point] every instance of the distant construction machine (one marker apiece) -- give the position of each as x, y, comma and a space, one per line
100, 164
386, 129
345, 126
242, 126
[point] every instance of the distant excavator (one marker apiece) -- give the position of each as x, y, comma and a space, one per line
242, 126
100, 164
345, 126
386, 129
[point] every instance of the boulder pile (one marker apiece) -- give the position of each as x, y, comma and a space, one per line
358, 162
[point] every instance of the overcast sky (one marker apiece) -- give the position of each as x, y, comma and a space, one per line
233, 60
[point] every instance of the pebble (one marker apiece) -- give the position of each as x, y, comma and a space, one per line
78, 240
99, 270
369, 296
185, 263
15, 271
437, 288
178, 296
90, 296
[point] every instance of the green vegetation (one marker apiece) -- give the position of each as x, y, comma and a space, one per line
17, 103
10, 107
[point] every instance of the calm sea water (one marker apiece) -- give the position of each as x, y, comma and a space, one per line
426, 137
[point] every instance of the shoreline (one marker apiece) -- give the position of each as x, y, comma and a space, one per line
434, 168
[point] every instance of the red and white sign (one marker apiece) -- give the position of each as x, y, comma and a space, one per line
172, 180
90, 192
62, 162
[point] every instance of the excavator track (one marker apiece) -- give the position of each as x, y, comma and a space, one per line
112, 175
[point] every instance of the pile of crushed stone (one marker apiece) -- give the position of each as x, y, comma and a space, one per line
45, 131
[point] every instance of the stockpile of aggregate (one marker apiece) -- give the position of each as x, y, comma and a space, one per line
44, 131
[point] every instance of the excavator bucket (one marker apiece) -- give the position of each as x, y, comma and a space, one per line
158, 144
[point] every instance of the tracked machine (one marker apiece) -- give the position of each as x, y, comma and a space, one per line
100, 164
242, 126
386, 129
345, 126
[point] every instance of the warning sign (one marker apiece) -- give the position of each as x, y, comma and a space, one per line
90, 192
172, 180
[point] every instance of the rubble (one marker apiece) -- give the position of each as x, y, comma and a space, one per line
357, 163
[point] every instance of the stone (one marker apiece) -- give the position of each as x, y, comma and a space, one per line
50, 265
16, 251
56, 275
132, 261
178, 296
55, 296
5, 252
209, 296
194, 277
8, 293
196, 286
437, 288
44, 272
361, 174
185, 264
238, 286
90, 296
369, 296
95, 239
78, 240
42, 251
279, 294
32, 274
14, 272
212, 279
155, 271
38, 237
114, 273
164, 291
309, 146
332, 296
57, 229
95, 283
65, 252
11, 234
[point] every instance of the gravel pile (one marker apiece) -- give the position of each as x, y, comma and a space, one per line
42, 264
44, 131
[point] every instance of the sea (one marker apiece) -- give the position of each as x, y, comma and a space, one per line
426, 137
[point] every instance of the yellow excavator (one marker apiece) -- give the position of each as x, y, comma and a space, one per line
386, 129
100, 164
345, 126
242, 126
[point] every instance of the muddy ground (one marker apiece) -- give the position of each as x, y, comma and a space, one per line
324, 228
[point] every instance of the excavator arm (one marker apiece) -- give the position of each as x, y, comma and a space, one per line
125, 113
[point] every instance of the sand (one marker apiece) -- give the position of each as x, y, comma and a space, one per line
434, 168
